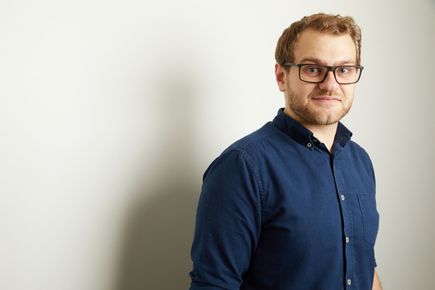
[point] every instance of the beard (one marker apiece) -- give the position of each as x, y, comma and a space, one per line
311, 113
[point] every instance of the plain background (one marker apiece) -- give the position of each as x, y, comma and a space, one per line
110, 112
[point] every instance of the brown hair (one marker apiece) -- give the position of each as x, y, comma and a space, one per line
328, 23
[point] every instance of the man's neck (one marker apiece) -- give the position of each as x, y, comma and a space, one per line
324, 133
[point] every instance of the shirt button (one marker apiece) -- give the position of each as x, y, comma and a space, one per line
349, 282
347, 240
342, 197
309, 145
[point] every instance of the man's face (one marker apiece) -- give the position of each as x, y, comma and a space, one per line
327, 102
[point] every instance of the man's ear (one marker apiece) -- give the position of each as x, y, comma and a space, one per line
281, 77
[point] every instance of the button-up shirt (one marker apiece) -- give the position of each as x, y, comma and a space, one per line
278, 211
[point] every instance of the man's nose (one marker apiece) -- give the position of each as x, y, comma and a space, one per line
330, 83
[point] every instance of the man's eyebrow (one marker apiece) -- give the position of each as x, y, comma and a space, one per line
321, 62
312, 59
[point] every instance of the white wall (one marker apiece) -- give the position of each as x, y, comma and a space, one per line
110, 111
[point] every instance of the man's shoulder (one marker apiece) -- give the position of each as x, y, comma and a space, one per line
359, 155
358, 149
254, 142
251, 147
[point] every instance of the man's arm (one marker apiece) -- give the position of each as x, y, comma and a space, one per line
376, 282
228, 223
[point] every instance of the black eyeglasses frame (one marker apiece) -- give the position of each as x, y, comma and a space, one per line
328, 69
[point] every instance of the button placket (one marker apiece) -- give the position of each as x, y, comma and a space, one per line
347, 218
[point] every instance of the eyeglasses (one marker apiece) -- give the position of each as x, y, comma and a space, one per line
315, 74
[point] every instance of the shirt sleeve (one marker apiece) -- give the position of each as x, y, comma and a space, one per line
228, 223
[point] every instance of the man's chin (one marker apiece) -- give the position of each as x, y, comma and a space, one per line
325, 122
321, 119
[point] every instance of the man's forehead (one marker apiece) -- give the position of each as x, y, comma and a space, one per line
310, 35
343, 61
322, 47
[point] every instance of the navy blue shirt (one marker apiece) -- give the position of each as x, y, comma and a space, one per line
279, 211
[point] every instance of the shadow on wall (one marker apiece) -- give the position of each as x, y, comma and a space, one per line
158, 237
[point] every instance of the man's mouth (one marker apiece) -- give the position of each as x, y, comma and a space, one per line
326, 98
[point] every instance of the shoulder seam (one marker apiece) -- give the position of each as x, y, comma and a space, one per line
250, 162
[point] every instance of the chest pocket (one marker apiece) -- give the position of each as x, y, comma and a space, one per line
370, 216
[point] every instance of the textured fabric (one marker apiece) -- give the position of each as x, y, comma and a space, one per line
279, 211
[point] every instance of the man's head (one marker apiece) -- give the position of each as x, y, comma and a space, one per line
314, 93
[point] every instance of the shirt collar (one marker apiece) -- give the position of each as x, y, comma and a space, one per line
304, 136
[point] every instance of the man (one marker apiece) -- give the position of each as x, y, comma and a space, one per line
292, 205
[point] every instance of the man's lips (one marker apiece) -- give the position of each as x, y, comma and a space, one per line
326, 98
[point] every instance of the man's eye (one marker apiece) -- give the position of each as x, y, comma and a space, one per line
345, 70
342, 70
312, 69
